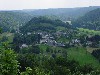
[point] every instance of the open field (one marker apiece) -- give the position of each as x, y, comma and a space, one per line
82, 56
89, 31
89, 49
79, 54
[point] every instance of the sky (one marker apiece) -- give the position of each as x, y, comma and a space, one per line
45, 4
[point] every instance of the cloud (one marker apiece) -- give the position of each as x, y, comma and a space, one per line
43, 4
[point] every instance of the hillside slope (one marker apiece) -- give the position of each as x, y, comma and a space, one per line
43, 24
62, 13
90, 20
10, 20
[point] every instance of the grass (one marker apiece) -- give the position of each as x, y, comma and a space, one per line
79, 54
60, 28
90, 49
89, 31
62, 40
44, 47
82, 56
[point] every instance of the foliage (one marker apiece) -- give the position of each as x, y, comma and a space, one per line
89, 21
27, 72
42, 24
63, 14
26, 39
96, 53
8, 63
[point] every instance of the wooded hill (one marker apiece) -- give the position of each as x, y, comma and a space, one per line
62, 13
90, 20
42, 24
10, 20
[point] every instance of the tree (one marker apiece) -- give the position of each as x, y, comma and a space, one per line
48, 49
0, 30
34, 49
8, 63
4, 39
27, 72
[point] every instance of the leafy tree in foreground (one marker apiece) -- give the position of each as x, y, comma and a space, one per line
8, 63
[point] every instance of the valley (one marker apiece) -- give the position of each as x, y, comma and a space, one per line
64, 41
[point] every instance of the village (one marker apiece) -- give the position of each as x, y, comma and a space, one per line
50, 39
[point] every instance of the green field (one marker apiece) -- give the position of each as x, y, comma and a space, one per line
89, 31
60, 28
77, 53
63, 39
82, 56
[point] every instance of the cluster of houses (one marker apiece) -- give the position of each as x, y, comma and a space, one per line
49, 39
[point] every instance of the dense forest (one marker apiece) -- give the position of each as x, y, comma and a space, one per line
35, 43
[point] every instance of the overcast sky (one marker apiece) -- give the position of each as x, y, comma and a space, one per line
44, 4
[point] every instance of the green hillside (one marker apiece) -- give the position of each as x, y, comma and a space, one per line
91, 20
43, 24
62, 13
10, 19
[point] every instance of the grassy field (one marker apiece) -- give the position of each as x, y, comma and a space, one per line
90, 49
89, 31
82, 56
44, 47
60, 28
62, 40
79, 54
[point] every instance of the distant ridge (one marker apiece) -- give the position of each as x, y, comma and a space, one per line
61, 13
90, 20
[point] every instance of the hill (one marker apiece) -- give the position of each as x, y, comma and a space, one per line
10, 20
62, 13
13, 19
43, 24
90, 20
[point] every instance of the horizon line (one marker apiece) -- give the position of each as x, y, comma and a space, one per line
45, 8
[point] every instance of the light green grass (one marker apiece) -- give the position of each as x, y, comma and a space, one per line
62, 40
43, 47
82, 56
60, 28
77, 53
89, 31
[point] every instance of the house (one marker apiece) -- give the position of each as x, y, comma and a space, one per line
89, 43
28, 33
75, 41
60, 44
24, 46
